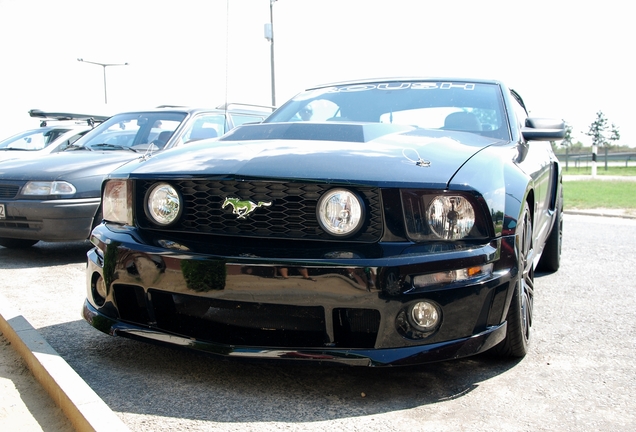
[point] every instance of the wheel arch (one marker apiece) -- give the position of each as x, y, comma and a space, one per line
519, 190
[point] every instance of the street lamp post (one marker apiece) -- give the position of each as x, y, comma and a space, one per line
103, 65
269, 35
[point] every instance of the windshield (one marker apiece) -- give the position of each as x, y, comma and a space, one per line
461, 106
133, 131
36, 139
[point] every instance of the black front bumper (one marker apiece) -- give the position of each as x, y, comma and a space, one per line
338, 308
354, 357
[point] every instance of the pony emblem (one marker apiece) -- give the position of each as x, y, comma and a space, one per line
243, 208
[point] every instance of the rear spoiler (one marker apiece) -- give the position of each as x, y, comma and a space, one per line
90, 119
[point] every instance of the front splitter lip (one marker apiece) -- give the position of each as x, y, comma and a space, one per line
402, 356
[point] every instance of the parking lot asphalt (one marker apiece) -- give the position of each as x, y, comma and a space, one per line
78, 402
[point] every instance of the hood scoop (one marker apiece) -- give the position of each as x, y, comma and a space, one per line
349, 132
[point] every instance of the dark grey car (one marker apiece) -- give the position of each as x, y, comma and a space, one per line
57, 197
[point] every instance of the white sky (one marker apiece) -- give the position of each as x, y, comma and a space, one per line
567, 59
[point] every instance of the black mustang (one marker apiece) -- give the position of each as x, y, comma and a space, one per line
383, 222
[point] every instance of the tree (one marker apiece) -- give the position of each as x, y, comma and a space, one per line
614, 134
567, 139
598, 131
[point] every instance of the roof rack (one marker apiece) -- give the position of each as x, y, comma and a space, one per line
65, 116
232, 104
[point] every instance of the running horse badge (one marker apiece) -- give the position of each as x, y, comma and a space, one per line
243, 208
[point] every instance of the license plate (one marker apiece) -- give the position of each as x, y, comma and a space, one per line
2, 212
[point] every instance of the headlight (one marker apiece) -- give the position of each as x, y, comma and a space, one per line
340, 212
431, 216
163, 204
117, 202
450, 217
48, 188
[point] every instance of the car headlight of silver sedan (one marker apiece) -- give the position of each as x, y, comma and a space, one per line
43, 188
163, 204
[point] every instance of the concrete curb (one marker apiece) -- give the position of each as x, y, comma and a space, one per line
587, 177
83, 407
599, 213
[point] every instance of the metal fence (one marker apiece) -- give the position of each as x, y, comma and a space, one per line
603, 158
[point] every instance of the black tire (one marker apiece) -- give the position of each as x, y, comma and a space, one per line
519, 316
551, 257
12, 243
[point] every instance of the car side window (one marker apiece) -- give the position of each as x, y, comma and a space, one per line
204, 127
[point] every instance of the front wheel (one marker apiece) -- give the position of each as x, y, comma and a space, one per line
519, 316
13, 243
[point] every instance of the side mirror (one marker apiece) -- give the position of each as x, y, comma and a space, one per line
543, 129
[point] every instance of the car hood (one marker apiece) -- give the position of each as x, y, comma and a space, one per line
23, 154
6, 155
375, 154
69, 165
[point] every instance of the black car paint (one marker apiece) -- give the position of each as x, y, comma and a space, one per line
486, 300
245, 159
501, 175
323, 160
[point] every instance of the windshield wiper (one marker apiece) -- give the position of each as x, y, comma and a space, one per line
113, 146
73, 147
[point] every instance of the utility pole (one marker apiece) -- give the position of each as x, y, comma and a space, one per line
269, 35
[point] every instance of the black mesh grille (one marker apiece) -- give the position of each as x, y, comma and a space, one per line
8, 191
18, 222
292, 214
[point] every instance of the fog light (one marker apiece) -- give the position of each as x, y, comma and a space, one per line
98, 289
425, 315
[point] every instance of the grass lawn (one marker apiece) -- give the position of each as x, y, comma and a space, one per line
589, 194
